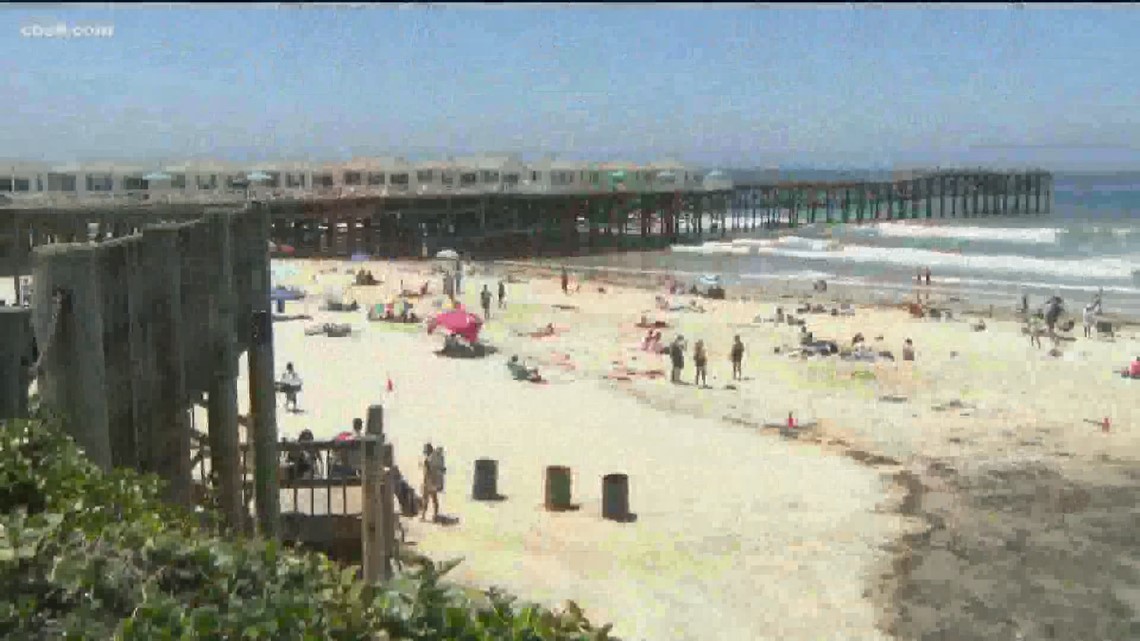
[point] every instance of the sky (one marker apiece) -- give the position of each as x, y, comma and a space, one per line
716, 85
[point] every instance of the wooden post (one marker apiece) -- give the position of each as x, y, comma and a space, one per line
15, 358
167, 423
19, 244
375, 553
262, 393
73, 380
225, 455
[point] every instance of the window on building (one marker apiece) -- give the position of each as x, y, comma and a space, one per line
447, 178
468, 179
23, 184
490, 177
295, 181
510, 179
61, 182
178, 181
134, 183
425, 176
375, 178
352, 178
99, 182
400, 180
323, 180
562, 178
207, 182
595, 178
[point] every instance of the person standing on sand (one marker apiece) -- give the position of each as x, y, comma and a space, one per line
431, 483
700, 363
737, 357
928, 276
908, 350
291, 383
677, 358
565, 281
502, 294
485, 299
918, 276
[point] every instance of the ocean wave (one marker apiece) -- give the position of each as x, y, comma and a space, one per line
1015, 235
801, 275
1101, 268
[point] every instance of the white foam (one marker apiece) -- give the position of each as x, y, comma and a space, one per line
1102, 268
1030, 236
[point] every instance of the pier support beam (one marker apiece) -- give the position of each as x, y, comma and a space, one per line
225, 459
262, 388
74, 377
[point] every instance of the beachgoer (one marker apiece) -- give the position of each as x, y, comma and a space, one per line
918, 276
1052, 314
1035, 329
502, 294
565, 281
458, 276
700, 363
291, 382
485, 299
737, 357
927, 275
431, 483
1024, 302
908, 350
1089, 318
677, 359
1134, 368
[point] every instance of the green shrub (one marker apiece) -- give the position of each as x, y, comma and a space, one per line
88, 555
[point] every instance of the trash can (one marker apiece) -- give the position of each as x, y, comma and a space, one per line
557, 488
615, 497
485, 487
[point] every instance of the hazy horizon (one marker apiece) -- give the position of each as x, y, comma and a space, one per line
828, 88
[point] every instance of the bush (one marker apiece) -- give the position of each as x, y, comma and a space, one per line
88, 555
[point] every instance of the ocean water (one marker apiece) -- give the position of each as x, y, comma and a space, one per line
1090, 240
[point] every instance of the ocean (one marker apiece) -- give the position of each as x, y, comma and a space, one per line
1090, 241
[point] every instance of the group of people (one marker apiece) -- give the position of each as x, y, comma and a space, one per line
677, 350
485, 298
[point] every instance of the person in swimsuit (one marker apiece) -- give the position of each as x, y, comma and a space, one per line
502, 294
677, 358
737, 358
700, 363
431, 483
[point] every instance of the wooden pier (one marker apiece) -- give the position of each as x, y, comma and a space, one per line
506, 225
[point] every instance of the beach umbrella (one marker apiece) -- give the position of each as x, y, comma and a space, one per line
156, 176
359, 257
458, 322
447, 254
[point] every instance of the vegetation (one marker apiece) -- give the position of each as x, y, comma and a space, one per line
88, 555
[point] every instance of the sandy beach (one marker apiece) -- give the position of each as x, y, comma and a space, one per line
842, 533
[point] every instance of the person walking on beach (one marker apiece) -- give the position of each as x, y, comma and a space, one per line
918, 276
1035, 330
928, 276
565, 281
432, 482
291, 385
677, 358
502, 294
737, 356
700, 363
485, 299
1089, 318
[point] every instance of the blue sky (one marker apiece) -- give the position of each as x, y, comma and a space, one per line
717, 85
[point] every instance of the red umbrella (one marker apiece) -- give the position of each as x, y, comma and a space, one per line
457, 322
344, 436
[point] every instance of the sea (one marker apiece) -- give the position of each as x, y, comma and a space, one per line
1089, 242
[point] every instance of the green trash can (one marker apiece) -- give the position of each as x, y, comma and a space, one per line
557, 488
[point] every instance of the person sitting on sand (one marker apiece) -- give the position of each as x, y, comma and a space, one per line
521, 371
736, 355
647, 342
908, 350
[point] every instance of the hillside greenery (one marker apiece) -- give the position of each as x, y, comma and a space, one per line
87, 555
